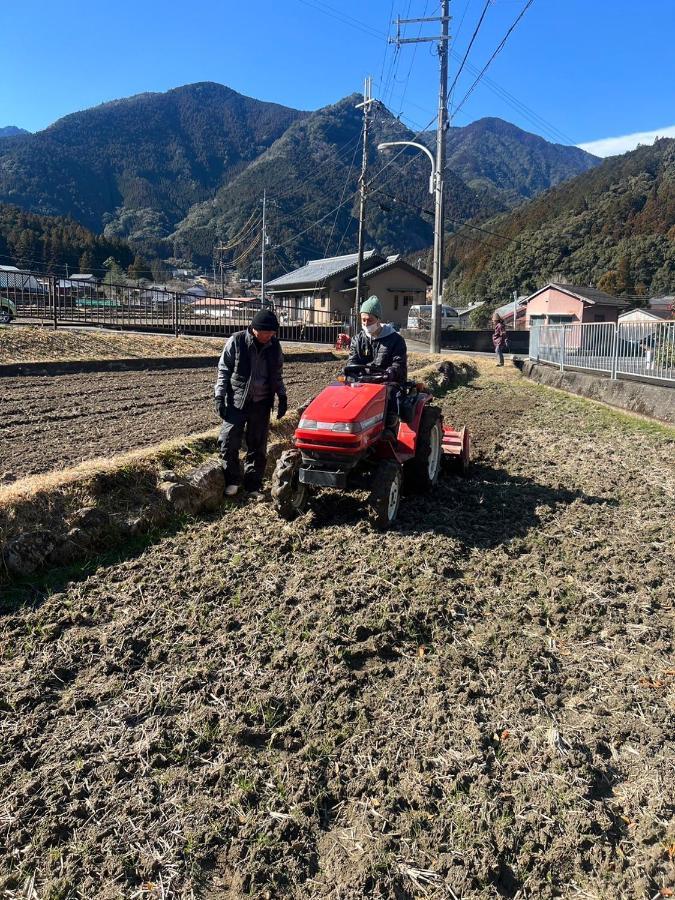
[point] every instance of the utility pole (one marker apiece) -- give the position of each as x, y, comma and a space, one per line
262, 253
363, 187
442, 39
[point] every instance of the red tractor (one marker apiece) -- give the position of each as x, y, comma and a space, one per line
345, 439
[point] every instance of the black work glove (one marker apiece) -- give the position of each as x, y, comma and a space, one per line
282, 406
390, 374
221, 406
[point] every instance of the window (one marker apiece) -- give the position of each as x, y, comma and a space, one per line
560, 320
395, 301
407, 300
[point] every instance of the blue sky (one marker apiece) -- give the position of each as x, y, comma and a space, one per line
575, 71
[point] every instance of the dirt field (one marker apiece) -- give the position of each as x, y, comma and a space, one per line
476, 705
53, 422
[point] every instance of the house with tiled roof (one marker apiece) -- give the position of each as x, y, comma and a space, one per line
327, 287
563, 304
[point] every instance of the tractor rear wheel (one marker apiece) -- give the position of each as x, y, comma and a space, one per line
289, 495
385, 494
423, 469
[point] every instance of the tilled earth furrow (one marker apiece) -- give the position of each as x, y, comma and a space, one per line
60, 421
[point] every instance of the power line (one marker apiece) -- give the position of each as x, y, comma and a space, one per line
326, 9
497, 50
468, 49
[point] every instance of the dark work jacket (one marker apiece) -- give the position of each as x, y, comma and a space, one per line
239, 363
388, 350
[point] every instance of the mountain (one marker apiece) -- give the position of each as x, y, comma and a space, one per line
175, 172
310, 170
49, 243
11, 131
612, 227
509, 163
137, 165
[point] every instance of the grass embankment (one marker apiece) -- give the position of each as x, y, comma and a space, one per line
34, 343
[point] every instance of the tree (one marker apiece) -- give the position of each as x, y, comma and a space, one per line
610, 282
87, 261
114, 276
139, 268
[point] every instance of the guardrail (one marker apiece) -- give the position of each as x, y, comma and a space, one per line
57, 301
640, 350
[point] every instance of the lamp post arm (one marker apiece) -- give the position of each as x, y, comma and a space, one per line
424, 149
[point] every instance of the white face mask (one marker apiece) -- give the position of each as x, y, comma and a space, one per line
371, 329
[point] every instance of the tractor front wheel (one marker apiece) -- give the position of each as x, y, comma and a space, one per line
424, 468
385, 494
289, 495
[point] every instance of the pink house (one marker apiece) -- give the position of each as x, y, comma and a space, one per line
562, 304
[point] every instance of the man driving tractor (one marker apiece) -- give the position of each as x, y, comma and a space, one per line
380, 345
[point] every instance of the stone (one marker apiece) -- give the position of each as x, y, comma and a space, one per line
183, 497
28, 552
209, 481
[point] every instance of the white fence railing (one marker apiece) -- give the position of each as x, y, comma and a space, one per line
644, 350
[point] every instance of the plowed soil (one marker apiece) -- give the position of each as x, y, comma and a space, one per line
54, 422
477, 704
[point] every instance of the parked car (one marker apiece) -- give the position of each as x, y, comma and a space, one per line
7, 310
419, 317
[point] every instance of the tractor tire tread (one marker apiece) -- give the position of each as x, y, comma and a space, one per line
416, 469
283, 487
378, 499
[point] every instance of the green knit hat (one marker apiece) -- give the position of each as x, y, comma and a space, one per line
372, 307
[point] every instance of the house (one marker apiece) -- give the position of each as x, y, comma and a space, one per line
464, 313
562, 304
506, 312
658, 309
238, 309
325, 289
14, 281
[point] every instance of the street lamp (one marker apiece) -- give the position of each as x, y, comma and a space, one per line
432, 177
435, 187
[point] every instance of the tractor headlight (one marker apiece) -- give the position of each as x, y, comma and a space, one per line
348, 427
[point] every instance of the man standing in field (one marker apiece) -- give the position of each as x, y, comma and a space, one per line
249, 377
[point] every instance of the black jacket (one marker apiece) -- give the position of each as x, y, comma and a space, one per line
388, 350
238, 365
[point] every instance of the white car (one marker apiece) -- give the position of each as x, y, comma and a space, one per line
419, 318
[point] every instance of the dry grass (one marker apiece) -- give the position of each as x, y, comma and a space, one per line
34, 343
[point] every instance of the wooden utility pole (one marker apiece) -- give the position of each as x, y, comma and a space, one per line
262, 252
363, 187
442, 39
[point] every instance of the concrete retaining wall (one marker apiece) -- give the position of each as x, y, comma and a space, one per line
655, 401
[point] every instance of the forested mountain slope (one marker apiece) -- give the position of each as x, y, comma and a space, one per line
613, 227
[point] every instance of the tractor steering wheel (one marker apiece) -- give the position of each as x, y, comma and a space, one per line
368, 373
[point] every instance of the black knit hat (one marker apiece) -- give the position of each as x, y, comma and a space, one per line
265, 320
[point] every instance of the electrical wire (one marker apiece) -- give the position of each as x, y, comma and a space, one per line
326, 9
468, 49
239, 238
499, 47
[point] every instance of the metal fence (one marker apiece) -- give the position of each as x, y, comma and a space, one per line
641, 350
57, 301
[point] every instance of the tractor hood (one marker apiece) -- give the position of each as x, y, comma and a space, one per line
347, 403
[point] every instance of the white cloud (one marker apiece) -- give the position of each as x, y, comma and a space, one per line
614, 145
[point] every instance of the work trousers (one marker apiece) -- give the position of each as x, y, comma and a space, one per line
251, 423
